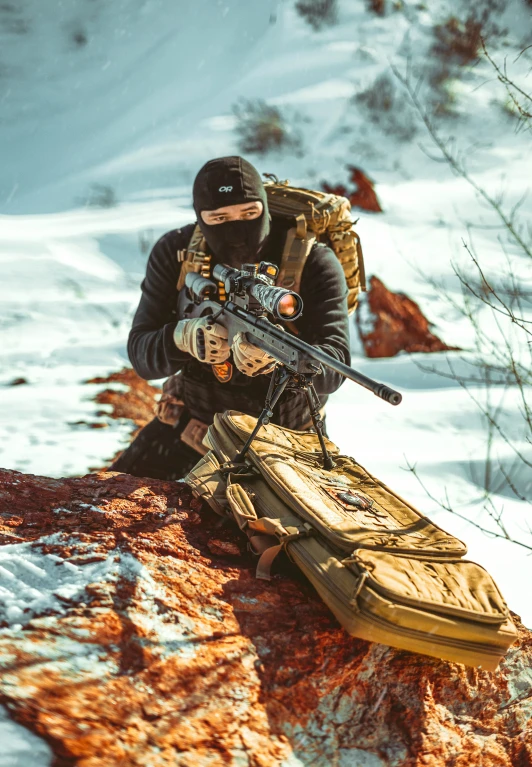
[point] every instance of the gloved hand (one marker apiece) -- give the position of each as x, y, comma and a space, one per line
203, 338
249, 359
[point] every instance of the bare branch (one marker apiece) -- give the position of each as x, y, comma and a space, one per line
503, 534
503, 77
501, 349
512, 486
459, 167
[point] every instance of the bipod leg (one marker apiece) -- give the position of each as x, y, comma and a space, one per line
314, 407
278, 383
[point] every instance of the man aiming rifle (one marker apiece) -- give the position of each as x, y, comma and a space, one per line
217, 372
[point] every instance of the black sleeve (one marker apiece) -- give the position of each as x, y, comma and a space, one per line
324, 322
150, 346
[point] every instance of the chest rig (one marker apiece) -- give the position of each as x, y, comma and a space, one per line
196, 258
297, 246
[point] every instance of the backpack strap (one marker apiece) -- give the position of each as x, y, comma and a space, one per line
268, 536
297, 246
195, 258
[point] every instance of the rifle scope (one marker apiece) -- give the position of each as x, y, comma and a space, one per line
283, 304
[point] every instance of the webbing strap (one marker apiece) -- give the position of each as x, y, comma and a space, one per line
259, 543
364, 574
196, 258
261, 531
269, 555
361, 266
267, 558
298, 245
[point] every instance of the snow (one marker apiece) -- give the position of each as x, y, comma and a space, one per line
39, 585
36, 583
100, 143
20, 747
33, 583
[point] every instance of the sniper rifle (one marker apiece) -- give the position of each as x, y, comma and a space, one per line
251, 295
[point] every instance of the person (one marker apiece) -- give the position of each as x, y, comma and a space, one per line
231, 206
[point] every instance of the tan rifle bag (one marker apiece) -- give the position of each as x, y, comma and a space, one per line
388, 573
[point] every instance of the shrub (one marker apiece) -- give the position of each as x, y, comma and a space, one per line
79, 38
385, 107
494, 298
262, 128
457, 40
101, 196
318, 13
458, 43
377, 6
380, 96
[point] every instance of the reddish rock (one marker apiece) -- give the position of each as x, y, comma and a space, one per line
136, 403
173, 655
389, 323
363, 196
223, 548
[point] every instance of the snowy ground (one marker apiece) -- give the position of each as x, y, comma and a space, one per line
20, 747
136, 109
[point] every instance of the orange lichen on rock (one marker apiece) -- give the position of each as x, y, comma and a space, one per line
392, 322
136, 403
363, 196
175, 654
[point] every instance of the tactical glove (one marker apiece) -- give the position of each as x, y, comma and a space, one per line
249, 359
203, 338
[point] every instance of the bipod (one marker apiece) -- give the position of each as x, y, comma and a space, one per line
281, 378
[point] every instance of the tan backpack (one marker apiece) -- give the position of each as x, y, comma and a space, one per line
317, 217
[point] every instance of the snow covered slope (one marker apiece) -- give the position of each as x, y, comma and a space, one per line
107, 112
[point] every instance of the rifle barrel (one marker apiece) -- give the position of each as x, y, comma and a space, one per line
379, 389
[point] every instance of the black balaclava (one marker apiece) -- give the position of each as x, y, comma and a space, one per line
231, 181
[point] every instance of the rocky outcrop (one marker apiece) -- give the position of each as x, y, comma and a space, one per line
135, 633
389, 323
135, 400
362, 196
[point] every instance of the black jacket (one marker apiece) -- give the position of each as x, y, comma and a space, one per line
324, 324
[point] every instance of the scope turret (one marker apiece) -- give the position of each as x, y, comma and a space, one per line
283, 304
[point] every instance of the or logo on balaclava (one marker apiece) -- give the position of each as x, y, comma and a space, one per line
231, 181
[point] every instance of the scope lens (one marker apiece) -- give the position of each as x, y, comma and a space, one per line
284, 304
288, 306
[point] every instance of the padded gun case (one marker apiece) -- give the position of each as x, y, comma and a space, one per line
387, 572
